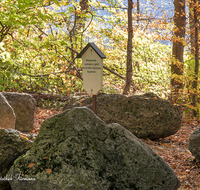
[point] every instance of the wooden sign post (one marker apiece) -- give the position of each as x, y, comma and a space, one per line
92, 66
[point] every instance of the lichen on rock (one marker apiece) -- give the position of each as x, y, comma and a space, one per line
77, 150
146, 116
12, 145
194, 143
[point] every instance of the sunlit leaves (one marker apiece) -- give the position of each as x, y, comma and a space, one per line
4, 56
46, 38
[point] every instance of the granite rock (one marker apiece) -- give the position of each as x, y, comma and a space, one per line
77, 150
146, 116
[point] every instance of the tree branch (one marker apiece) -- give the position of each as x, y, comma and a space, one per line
41, 30
113, 72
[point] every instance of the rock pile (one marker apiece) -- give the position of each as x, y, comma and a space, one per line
23, 106
77, 150
146, 116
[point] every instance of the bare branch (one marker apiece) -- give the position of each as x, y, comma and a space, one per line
41, 30
16, 39
72, 50
113, 72
88, 24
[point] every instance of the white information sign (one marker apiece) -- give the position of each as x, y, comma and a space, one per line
92, 65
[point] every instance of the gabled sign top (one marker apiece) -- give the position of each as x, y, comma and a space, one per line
94, 47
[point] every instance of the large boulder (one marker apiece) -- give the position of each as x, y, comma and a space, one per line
194, 144
24, 107
77, 150
146, 116
12, 145
7, 116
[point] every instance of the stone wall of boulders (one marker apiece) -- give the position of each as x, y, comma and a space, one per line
79, 147
77, 150
17, 111
146, 116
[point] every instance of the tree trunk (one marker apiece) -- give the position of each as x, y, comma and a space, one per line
81, 20
196, 71
129, 69
192, 28
138, 11
178, 49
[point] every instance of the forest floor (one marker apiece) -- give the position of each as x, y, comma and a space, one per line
173, 150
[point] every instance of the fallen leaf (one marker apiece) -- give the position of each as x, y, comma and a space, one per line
49, 171
31, 165
23, 136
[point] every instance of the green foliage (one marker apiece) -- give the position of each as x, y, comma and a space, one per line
40, 40
44, 52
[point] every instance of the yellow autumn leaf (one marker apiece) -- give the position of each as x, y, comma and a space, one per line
23, 136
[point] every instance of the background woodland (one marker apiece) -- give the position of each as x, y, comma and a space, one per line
151, 46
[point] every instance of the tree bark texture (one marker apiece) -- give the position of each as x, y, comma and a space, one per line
129, 69
178, 48
196, 71
192, 29
138, 11
81, 20
192, 26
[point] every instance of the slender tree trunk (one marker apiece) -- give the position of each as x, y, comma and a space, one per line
178, 49
192, 28
192, 48
196, 71
129, 69
138, 11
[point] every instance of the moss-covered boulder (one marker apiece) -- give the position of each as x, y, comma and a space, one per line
77, 150
194, 144
146, 116
12, 145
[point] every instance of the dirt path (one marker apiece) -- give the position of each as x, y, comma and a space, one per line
174, 151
